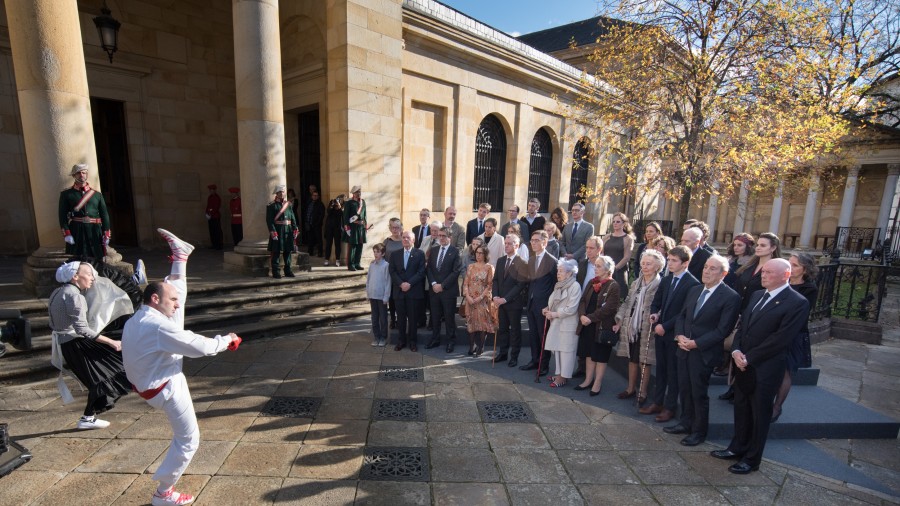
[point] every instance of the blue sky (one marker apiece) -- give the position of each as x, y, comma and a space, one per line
516, 17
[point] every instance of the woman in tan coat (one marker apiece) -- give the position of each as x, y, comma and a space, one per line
562, 313
637, 342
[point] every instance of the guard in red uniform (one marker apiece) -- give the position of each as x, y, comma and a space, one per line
237, 224
214, 217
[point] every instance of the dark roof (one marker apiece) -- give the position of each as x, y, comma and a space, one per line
583, 32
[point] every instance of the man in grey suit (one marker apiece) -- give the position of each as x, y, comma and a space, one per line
457, 234
443, 272
575, 234
709, 314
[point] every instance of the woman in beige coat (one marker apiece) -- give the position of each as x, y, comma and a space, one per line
562, 312
637, 342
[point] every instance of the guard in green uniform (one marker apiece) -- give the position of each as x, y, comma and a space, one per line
83, 217
283, 232
355, 227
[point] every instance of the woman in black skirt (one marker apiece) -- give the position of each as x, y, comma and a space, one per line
599, 304
94, 359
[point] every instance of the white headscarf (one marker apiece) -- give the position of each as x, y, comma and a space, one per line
67, 271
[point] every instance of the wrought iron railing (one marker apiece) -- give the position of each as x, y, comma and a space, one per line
852, 291
854, 242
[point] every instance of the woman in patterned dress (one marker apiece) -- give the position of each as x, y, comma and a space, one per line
477, 287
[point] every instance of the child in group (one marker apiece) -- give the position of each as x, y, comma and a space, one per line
378, 291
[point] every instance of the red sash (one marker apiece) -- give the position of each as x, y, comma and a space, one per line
84, 200
283, 209
149, 394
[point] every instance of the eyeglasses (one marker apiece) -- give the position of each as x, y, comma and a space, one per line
442, 236
535, 239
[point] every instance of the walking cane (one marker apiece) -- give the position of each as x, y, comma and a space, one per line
643, 370
493, 361
537, 376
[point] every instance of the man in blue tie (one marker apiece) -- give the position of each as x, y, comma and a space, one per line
407, 268
475, 226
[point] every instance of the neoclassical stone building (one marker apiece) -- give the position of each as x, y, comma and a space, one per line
420, 104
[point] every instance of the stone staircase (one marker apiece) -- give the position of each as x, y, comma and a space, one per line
251, 308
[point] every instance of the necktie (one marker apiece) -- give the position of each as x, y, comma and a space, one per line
760, 304
700, 301
674, 284
508, 264
480, 227
441, 257
574, 229
405, 258
422, 234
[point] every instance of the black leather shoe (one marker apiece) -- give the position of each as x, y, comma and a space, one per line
512, 362
530, 366
449, 348
399, 347
500, 358
413, 348
727, 396
432, 344
289, 275
693, 440
544, 371
276, 276
676, 429
742, 468
724, 454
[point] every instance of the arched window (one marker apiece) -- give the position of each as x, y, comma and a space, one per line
490, 163
539, 168
580, 160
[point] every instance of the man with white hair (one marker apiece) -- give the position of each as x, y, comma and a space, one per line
769, 324
691, 238
83, 217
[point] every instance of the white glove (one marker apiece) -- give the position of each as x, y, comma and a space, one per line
105, 241
207, 216
70, 240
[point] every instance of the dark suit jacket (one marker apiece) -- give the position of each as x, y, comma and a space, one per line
712, 324
318, 215
669, 305
523, 227
416, 230
511, 286
414, 274
448, 274
698, 260
542, 279
766, 336
472, 230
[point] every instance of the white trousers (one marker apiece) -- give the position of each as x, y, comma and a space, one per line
179, 409
565, 363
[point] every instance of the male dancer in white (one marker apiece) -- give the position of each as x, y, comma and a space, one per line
154, 343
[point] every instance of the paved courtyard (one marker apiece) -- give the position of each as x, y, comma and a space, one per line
375, 426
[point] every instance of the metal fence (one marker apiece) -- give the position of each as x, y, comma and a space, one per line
855, 242
852, 291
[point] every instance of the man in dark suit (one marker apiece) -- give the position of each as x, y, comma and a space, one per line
513, 215
443, 269
422, 230
664, 310
510, 283
407, 268
542, 279
313, 219
708, 317
475, 226
771, 320
691, 238
531, 218
575, 234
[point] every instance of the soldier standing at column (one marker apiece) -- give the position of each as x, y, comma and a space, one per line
214, 217
237, 223
83, 217
283, 232
355, 227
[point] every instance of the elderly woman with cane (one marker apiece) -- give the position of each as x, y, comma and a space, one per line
562, 313
638, 342
599, 304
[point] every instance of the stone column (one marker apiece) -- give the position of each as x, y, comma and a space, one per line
809, 213
260, 125
55, 107
712, 212
662, 208
887, 198
741, 209
849, 201
777, 204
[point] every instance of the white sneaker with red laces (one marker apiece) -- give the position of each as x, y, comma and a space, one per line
171, 498
180, 249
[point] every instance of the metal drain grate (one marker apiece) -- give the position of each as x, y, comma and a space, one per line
400, 374
498, 412
294, 407
399, 409
395, 464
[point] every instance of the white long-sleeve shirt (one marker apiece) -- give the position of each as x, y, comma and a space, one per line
154, 347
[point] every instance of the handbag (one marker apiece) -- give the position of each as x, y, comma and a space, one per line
462, 309
607, 337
